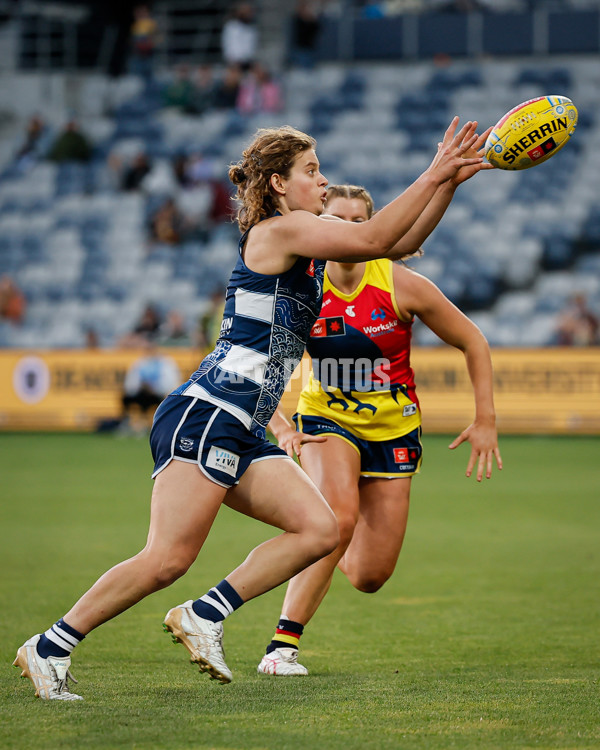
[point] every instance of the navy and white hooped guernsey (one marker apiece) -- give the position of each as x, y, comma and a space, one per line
266, 323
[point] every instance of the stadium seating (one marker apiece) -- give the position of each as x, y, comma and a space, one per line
511, 250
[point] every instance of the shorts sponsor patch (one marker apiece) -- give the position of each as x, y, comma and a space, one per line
222, 460
409, 410
401, 455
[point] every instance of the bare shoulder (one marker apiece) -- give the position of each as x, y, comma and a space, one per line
413, 291
274, 244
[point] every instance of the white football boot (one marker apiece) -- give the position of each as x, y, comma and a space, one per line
282, 662
202, 638
50, 676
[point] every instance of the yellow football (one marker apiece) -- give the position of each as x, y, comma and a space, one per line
531, 132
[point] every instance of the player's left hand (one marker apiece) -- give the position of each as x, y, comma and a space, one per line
293, 441
484, 447
477, 149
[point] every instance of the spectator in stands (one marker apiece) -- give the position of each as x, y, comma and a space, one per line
144, 38
228, 88
203, 90
167, 224
239, 38
34, 144
305, 27
179, 93
259, 92
147, 381
135, 172
70, 145
91, 338
209, 325
12, 301
460, 6
174, 332
578, 325
146, 331
373, 9
204, 200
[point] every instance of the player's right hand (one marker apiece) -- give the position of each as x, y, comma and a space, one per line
450, 156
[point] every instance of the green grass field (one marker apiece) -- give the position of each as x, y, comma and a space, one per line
487, 635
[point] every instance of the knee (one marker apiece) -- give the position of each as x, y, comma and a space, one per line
325, 535
368, 582
165, 571
346, 524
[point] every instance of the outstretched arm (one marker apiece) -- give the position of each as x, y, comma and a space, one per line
303, 234
419, 296
436, 208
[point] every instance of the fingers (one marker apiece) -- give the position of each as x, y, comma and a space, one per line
457, 441
498, 458
302, 438
450, 130
466, 133
481, 141
471, 463
485, 462
467, 144
312, 438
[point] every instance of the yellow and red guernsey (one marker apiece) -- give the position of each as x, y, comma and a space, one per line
360, 348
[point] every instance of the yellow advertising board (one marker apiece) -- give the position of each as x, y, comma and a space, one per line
536, 391
69, 390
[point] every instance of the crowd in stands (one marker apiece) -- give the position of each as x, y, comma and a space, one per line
185, 198
383, 8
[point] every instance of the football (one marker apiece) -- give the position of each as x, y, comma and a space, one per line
531, 132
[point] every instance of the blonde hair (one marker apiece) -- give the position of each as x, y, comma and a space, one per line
273, 151
350, 192
355, 191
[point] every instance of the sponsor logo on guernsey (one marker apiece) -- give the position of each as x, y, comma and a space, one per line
226, 461
311, 268
350, 311
378, 314
186, 444
328, 327
226, 325
401, 455
409, 410
379, 329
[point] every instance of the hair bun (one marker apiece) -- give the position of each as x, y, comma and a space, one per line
237, 175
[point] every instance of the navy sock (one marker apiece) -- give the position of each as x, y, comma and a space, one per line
287, 635
59, 640
218, 603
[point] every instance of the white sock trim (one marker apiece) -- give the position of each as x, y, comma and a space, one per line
222, 598
58, 640
216, 604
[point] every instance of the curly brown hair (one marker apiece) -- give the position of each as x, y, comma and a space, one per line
273, 151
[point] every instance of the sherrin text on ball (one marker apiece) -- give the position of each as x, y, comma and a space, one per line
531, 132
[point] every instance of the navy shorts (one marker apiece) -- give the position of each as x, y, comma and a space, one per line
192, 430
399, 457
